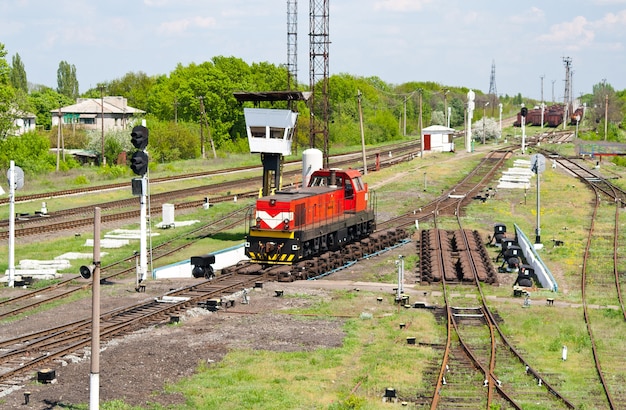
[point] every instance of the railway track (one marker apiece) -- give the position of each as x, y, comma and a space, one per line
73, 218
118, 269
336, 160
26, 352
474, 337
472, 187
601, 283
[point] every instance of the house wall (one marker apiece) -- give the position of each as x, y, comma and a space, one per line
94, 122
24, 125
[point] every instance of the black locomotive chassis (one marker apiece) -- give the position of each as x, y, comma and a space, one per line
317, 239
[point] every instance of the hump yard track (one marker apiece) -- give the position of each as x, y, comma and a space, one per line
479, 366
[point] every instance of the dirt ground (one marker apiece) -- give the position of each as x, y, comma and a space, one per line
134, 368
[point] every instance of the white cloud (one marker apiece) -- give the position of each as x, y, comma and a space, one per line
183, 25
573, 35
612, 19
533, 15
401, 5
609, 2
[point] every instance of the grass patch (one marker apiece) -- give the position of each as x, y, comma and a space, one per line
323, 378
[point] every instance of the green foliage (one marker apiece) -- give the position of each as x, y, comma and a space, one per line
18, 74
67, 84
171, 142
350, 403
81, 180
44, 100
135, 87
30, 151
113, 171
614, 133
7, 94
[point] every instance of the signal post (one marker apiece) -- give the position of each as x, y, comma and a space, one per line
139, 165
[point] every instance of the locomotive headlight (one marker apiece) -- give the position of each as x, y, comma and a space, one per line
258, 222
286, 222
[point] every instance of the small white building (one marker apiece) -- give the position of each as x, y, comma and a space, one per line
23, 122
437, 138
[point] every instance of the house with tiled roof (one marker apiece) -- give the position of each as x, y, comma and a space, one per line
91, 113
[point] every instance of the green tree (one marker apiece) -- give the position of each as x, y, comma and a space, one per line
605, 103
31, 151
43, 101
18, 74
135, 87
67, 84
170, 142
7, 95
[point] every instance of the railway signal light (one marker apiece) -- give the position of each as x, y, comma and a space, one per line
139, 163
202, 266
524, 111
86, 271
139, 137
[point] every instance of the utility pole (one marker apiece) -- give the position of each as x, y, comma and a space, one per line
359, 96
104, 159
484, 114
606, 115
419, 124
567, 97
201, 98
542, 104
94, 380
446, 117
404, 117
59, 139
420, 117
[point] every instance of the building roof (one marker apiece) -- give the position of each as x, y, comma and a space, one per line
108, 105
438, 129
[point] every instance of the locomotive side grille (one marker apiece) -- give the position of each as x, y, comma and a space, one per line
300, 215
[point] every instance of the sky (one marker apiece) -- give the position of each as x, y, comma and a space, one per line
449, 42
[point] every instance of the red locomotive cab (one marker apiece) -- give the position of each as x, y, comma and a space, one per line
350, 181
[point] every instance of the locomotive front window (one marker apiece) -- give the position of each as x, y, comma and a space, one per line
358, 183
325, 181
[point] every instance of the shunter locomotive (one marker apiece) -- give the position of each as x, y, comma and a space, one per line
334, 209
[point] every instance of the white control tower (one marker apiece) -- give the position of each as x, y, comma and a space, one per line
270, 132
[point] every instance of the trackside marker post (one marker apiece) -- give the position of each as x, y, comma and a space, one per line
94, 377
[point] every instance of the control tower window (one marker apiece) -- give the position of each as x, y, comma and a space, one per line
257, 132
277, 133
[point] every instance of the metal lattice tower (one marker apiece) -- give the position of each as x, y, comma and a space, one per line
492, 79
292, 44
567, 96
493, 92
318, 73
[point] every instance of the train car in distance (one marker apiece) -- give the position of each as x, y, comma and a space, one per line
291, 225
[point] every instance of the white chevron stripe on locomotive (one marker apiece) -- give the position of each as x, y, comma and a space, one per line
274, 220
